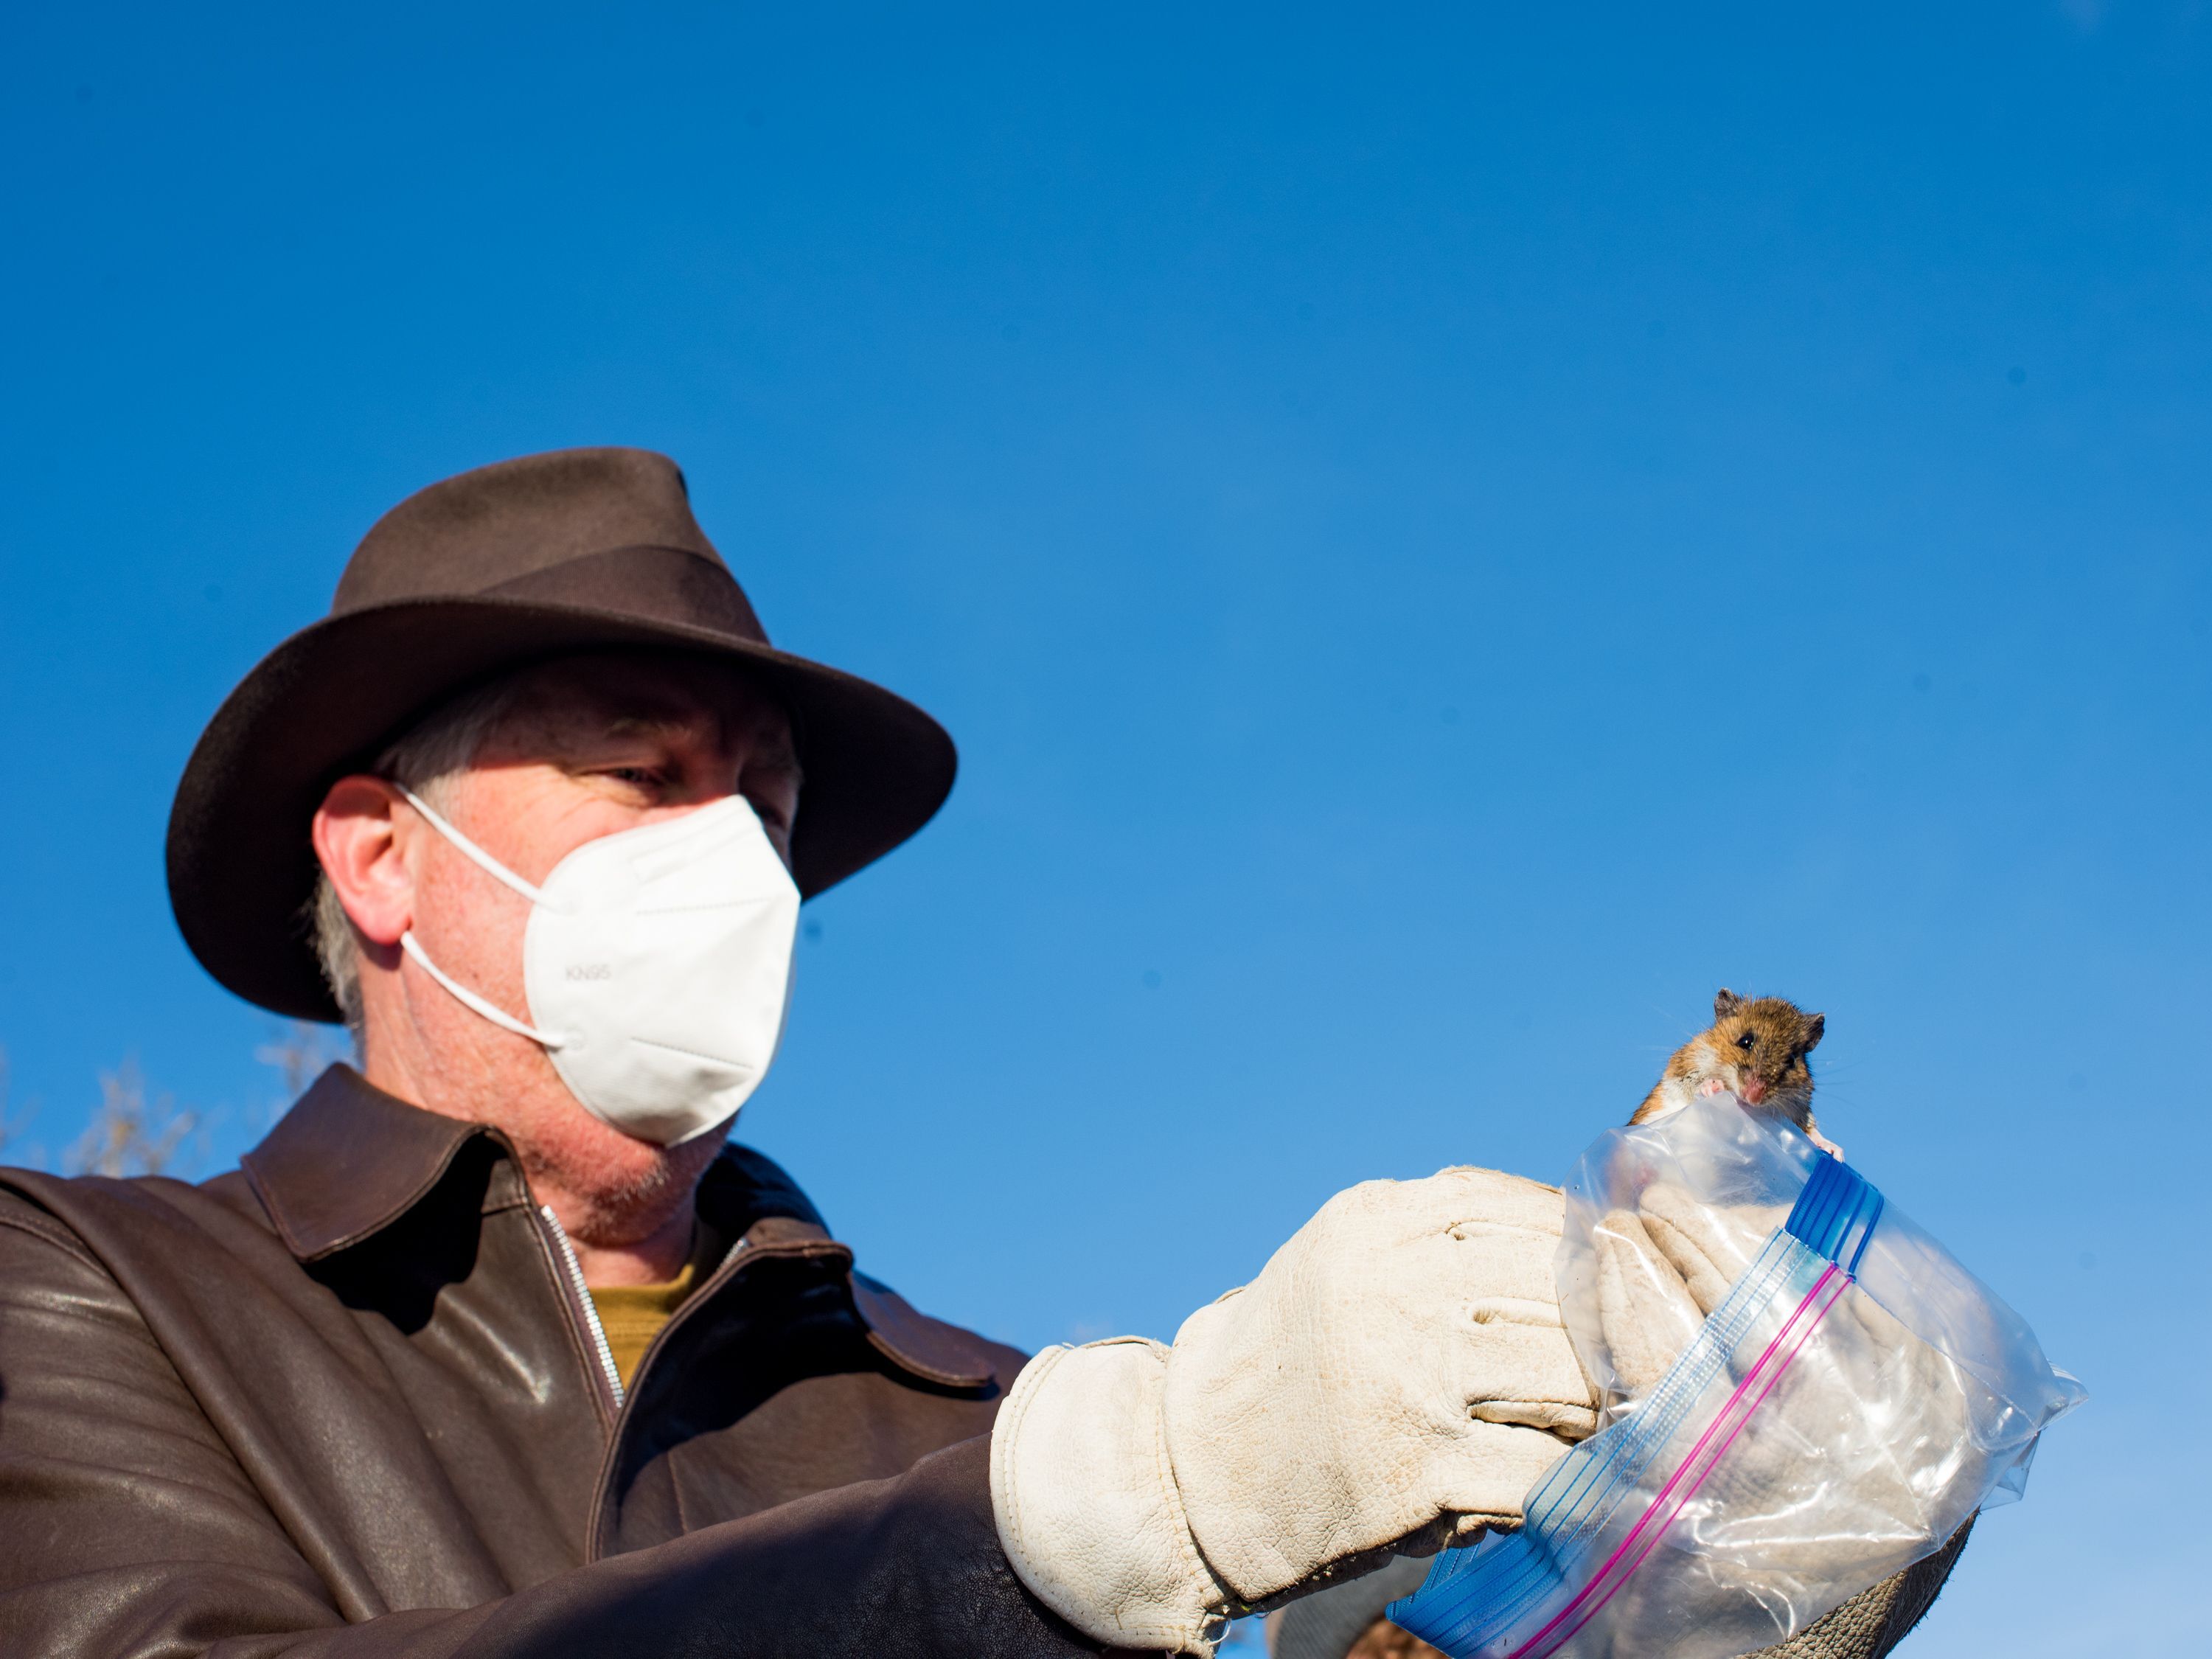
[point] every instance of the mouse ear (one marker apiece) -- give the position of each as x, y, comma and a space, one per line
1816, 1027
1726, 1003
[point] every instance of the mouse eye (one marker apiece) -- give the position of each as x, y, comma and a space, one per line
1747, 1042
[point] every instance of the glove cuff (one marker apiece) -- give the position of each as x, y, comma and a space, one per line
1086, 1503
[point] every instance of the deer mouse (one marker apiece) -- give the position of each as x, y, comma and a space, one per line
1756, 1050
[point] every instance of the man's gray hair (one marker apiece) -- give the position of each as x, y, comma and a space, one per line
427, 758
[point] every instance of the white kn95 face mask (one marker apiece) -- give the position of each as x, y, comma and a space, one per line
657, 963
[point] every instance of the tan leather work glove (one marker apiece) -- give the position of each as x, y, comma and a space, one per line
1398, 1373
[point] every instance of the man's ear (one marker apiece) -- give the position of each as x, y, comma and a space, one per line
1726, 1003
1816, 1027
356, 844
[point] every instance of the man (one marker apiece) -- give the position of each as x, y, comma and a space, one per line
497, 1346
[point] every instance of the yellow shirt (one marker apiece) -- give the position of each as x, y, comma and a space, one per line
632, 1315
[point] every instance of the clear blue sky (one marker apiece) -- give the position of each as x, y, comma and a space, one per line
1442, 539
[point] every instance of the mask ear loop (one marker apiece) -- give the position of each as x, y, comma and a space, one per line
462, 995
481, 859
492, 866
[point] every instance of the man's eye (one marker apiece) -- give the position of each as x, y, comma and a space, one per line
1747, 1042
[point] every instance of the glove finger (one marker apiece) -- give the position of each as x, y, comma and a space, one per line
1499, 1198
1487, 1473
1524, 1372
1490, 1199
1506, 1218
1922, 1373
1710, 1245
1645, 1313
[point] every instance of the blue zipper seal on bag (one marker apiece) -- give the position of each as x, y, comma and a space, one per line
1836, 1213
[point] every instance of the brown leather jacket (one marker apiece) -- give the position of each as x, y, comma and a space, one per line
346, 1401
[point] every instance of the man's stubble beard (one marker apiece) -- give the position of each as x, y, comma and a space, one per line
619, 1191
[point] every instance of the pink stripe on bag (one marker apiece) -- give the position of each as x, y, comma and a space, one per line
1732, 1417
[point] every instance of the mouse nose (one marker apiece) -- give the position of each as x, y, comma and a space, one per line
1754, 1089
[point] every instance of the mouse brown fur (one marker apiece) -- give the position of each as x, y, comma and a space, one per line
1756, 1049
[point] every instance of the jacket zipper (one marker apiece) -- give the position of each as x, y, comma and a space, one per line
581, 1306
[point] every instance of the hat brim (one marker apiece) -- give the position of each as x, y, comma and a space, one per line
241, 868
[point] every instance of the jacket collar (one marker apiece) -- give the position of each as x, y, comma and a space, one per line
349, 1160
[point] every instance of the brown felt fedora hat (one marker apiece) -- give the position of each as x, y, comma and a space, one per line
574, 551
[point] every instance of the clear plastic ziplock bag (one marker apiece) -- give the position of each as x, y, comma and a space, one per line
1802, 1393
